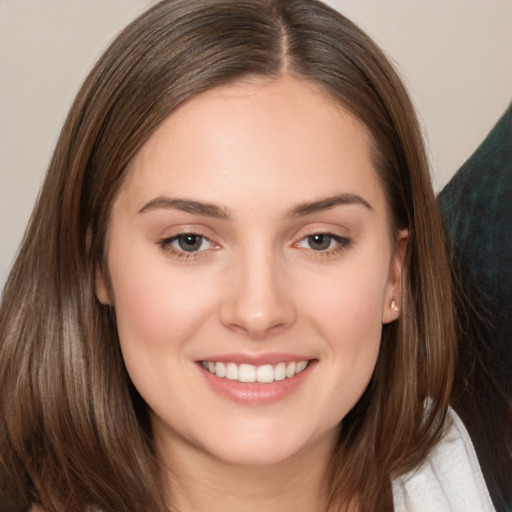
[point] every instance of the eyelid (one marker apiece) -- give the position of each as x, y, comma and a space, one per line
339, 238
343, 241
165, 243
322, 229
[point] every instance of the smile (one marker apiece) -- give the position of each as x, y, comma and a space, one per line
248, 373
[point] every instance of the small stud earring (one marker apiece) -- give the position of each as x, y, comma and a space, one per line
394, 307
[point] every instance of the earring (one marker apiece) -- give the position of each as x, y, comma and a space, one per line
394, 307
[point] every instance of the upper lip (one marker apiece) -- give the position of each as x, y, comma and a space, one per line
256, 359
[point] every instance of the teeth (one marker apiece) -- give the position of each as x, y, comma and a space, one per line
301, 365
220, 369
265, 373
231, 371
280, 372
248, 373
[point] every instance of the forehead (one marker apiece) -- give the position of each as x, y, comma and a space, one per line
284, 137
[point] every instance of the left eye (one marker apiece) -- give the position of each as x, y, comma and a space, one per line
187, 242
323, 242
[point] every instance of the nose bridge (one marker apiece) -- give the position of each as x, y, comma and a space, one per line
259, 301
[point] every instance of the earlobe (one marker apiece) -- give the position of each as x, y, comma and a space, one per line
101, 288
393, 297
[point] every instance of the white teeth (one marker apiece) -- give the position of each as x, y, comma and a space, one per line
249, 373
301, 365
265, 373
280, 372
232, 371
220, 369
290, 370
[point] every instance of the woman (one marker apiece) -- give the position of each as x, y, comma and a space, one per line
225, 297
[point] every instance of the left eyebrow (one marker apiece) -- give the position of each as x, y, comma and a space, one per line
327, 203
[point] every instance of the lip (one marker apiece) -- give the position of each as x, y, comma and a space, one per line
255, 393
257, 359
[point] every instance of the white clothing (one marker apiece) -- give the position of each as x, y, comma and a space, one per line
449, 480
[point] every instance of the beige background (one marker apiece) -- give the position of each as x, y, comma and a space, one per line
455, 57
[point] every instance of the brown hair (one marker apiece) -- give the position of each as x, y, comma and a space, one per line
73, 430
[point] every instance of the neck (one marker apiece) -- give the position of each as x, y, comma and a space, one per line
200, 482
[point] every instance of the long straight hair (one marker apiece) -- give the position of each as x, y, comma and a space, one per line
74, 433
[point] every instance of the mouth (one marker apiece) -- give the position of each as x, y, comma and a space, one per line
256, 379
248, 373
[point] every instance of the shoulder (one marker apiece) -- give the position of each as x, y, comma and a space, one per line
450, 479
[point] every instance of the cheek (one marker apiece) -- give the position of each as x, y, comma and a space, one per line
156, 305
159, 310
345, 309
348, 301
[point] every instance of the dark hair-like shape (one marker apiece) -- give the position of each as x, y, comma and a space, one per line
73, 431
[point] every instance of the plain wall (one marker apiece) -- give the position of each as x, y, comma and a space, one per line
454, 55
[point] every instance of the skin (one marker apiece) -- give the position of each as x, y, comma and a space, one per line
257, 286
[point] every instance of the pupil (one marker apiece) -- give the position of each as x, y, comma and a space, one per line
189, 242
319, 242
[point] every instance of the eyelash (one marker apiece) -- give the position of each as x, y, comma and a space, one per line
166, 245
342, 244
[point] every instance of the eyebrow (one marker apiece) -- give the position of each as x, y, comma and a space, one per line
186, 205
327, 203
218, 212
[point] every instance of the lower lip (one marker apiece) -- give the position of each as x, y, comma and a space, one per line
256, 393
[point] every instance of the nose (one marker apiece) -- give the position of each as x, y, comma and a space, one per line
259, 297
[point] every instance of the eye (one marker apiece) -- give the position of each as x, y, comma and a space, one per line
186, 243
324, 242
190, 242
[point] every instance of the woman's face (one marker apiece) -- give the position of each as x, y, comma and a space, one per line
249, 240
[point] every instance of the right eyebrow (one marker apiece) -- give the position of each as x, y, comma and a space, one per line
186, 205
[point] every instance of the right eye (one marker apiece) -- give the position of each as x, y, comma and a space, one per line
186, 244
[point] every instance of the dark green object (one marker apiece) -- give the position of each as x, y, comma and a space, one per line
477, 209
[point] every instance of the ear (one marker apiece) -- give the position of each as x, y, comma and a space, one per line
393, 293
102, 293
100, 286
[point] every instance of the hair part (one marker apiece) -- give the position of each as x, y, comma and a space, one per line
74, 431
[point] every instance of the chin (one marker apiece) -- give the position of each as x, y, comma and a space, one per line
254, 455
257, 446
